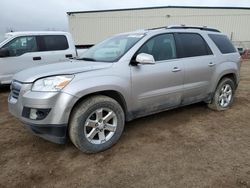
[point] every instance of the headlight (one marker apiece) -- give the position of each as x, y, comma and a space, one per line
53, 83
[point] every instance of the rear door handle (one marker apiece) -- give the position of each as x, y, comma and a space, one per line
211, 64
68, 55
37, 58
176, 69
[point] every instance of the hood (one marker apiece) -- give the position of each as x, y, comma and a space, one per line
69, 67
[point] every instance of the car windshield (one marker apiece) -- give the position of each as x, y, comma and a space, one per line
112, 49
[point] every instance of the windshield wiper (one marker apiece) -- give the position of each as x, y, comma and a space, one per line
87, 59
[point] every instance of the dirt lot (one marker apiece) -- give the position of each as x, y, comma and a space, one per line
187, 147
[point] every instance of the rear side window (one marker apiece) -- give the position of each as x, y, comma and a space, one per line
192, 44
52, 42
223, 43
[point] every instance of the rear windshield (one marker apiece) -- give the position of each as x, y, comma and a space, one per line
223, 43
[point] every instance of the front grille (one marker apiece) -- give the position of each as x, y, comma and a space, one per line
15, 89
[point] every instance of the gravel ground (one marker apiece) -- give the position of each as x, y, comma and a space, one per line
186, 147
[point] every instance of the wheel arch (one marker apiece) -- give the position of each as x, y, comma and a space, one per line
230, 75
212, 104
117, 96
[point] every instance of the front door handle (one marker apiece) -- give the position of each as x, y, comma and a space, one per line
37, 58
211, 64
176, 69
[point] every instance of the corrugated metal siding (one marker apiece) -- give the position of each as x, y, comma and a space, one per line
90, 28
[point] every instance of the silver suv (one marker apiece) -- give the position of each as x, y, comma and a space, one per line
127, 76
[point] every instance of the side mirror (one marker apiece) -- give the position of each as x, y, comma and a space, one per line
145, 59
4, 52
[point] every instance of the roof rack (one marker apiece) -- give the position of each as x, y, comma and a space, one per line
155, 28
205, 28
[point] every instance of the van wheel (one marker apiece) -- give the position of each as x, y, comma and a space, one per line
96, 124
224, 95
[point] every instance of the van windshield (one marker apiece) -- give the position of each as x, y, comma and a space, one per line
112, 49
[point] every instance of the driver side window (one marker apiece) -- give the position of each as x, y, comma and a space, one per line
21, 45
161, 47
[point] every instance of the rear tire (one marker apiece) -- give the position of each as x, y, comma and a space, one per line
224, 95
96, 124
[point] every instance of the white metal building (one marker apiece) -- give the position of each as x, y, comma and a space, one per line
90, 27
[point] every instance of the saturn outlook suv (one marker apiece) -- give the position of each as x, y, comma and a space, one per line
127, 76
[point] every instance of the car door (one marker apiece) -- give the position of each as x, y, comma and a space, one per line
159, 86
199, 65
54, 48
21, 55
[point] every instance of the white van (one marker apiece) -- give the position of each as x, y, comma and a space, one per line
21, 50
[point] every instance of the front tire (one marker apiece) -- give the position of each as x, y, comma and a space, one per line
96, 124
224, 95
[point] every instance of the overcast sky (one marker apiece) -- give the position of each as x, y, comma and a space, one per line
23, 15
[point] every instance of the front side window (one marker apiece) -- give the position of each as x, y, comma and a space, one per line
112, 49
161, 47
21, 45
193, 45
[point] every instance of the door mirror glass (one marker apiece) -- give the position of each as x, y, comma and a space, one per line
144, 58
4, 52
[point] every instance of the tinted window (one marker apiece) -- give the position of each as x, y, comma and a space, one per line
21, 45
161, 47
52, 42
223, 43
193, 45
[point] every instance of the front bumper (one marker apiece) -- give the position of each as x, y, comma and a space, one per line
53, 126
53, 133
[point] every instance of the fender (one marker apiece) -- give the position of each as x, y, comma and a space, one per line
91, 85
223, 69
